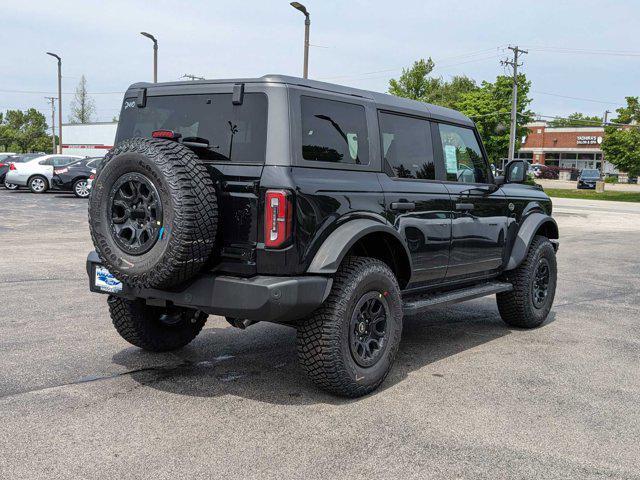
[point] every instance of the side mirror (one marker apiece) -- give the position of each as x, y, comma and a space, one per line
515, 172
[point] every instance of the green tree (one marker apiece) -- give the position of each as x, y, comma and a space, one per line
24, 131
576, 119
82, 106
490, 107
621, 145
415, 83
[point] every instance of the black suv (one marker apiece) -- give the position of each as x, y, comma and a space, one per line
333, 210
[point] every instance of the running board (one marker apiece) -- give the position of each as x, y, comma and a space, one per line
414, 306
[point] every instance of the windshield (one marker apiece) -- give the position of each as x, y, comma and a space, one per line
590, 174
236, 133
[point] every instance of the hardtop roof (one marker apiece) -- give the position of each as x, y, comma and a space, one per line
383, 100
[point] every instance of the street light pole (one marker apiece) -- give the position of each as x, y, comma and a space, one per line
155, 55
307, 24
59, 100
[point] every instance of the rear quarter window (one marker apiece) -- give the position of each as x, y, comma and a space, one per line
235, 133
334, 131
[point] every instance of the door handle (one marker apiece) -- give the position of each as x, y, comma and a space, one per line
403, 206
465, 206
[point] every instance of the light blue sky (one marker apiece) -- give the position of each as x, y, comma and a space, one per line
219, 39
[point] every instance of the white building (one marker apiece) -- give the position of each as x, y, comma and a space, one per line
88, 139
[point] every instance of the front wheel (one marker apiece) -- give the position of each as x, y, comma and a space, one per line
156, 329
348, 345
534, 287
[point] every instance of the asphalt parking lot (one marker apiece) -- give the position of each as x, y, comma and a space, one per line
468, 396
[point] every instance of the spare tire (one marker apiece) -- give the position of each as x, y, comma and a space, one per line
153, 213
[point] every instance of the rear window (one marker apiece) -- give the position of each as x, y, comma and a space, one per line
236, 133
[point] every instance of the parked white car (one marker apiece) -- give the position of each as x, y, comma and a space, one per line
37, 173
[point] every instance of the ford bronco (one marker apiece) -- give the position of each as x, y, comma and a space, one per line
333, 210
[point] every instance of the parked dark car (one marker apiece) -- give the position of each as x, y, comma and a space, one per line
332, 210
549, 172
74, 177
588, 178
6, 162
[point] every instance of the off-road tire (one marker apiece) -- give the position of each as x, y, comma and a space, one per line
38, 177
323, 340
517, 307
140, 325
189, 210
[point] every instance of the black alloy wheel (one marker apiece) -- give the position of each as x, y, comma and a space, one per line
368, 329
541, 280
136, 213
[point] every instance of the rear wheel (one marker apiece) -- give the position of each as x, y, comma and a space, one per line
81, 188
534, 287
11, 186
38, 184
348, 345
156, 329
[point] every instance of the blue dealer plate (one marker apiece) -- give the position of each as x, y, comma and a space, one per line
106, 282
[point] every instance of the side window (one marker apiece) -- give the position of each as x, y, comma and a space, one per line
406, 146
334, 131
48, 161
463, 158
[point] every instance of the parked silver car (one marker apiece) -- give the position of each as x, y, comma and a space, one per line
37, 173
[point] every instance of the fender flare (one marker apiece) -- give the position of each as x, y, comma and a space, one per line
334, 248
525, 235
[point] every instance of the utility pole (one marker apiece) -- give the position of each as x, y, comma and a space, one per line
514, 100
605, 120
53, 121
192, 77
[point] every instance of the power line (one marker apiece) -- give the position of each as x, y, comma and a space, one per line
436, 61
605, 102
34, 92
582, 51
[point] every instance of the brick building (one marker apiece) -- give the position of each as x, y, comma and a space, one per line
564, 147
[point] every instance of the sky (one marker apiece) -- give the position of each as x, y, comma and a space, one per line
581, 49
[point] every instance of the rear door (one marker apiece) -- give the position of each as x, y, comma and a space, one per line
233, 130
480, 212
418, 205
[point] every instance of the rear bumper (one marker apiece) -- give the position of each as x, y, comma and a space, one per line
11, 177
259, 298
58, 184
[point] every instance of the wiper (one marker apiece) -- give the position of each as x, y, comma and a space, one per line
196, 142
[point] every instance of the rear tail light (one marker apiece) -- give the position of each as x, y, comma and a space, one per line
92, 176
60, 171
278, 218
3, 164
12, 166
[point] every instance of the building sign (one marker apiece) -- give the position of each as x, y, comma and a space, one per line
588, 140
